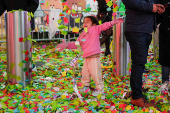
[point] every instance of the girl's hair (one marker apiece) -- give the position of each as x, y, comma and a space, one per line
93, 19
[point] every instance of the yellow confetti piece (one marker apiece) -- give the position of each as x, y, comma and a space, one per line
77, 20
100, 22
75, 30
56, 25
47, 4
64, 7
32, 15
128, 107
63, 96
115, 9
69, 12
107, 110
18, 78
29, 29
106, 66
73, 11
12, 65
157, 111
64, 73
29, 18
85, 29
14, 76
99, 96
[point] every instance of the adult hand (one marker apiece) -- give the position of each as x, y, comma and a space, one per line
156, 7
62, 46
161, 10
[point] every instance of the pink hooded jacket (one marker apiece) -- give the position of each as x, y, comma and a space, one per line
89, 41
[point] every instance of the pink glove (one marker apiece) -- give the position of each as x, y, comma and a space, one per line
116, 21
62, 46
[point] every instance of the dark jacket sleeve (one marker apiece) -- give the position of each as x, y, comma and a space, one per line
140, 5
32, 6
2, 7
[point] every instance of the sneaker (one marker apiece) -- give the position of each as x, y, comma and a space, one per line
97, 92
164, 88
141, 102
85, 89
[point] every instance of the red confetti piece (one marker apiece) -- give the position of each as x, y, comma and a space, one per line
27, 73
26, 53
21, 39
26, 59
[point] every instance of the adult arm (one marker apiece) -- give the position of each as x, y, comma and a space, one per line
2, 7
32, 6
139, 5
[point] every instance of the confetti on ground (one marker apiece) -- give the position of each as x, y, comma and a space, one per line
52, 87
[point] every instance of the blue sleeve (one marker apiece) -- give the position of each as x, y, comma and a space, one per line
140, 5
2, 7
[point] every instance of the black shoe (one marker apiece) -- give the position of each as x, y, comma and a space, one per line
107, 52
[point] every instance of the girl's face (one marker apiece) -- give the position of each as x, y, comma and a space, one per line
87, 23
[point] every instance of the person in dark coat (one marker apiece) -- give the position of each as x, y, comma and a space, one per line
164, 42
26, 5
105, 16
139, 24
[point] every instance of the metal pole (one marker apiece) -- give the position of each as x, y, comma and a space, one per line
18, 62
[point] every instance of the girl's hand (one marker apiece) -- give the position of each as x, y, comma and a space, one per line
116, 21
62, 46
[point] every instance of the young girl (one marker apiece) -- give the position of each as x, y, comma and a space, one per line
90, 43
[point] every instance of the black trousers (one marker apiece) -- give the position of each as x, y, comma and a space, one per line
139, 45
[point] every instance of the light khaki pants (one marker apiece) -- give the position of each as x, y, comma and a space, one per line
92, 68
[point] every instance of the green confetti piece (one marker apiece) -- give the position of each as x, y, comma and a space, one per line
88, 9
64, 32
24, 39
62, 27
4, 99
23, 61
25, 69
24, 51
3, 106
49, 85
30, 59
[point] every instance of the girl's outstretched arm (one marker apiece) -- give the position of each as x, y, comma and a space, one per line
108, 25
